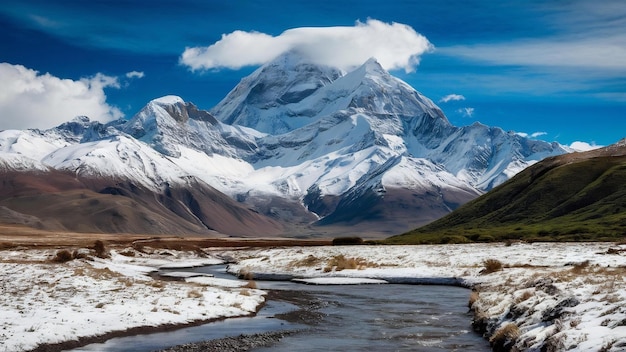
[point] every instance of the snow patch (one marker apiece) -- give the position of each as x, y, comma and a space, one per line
169, 100
340, 281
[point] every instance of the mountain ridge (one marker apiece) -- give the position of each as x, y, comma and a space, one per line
576, 196
312, 145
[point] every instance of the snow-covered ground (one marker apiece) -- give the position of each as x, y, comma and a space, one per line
547, 296
42, 302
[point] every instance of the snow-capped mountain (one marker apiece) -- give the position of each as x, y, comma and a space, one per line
261, 100
294, 143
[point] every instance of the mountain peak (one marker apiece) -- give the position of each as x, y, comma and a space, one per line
289, 60
168, 100
260, 100
373, 66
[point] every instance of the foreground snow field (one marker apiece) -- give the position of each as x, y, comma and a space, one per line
48, 303
546, 296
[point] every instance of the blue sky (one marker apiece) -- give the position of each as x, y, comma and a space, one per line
554, 70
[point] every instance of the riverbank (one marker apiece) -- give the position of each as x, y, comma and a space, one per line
245, 342
541, 296
51, 303
527, 297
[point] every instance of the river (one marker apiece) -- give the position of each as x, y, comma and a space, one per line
387, 317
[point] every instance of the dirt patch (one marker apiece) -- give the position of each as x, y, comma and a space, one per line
233, 344
308, 306
13, 236
305, 314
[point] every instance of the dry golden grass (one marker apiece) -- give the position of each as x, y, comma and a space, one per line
507, 333
474, 296
157, 284
126, 281
251, 284
491, 266
194, 294
12, 236
246, 274
340, 262
309, 261
580, 268
526, 295
62, 256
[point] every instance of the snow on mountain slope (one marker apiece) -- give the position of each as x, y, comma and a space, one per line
296, 138
23, 150
118, 157
266, 99
393, 115
487, 156
31, 143
371, 89
419, 173
168, 123
123, 157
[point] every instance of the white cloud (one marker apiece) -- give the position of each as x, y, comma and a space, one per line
394, 45
531, 135
135, 74
32, 100
538, 134
583, 146
451, 97
466, 112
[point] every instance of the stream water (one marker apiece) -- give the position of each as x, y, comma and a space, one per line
388, 317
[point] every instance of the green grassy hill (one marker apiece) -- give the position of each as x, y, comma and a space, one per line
572, 197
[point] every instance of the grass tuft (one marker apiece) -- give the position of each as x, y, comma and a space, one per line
340, 262
194, 294
474, 296
251, 284
63, 256
491, 266
504, 338
100, 249
579, 268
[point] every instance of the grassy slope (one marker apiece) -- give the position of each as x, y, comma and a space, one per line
560, 198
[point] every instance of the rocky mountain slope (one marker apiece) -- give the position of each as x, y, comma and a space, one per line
576, 196
295, 149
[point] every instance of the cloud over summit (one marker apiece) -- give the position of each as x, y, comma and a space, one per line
394, 45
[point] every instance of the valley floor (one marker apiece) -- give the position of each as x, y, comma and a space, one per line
546, 296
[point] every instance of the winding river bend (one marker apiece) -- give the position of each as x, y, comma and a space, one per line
387, 317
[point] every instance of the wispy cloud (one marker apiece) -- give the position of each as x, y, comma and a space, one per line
583, 35
531, 135
32, 100
466, 112
135, 74
599, 53
451, 97
580, 51
394, 45
44, 21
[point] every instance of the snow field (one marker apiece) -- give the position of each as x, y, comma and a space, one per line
552, 296
555, 296
45, 303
